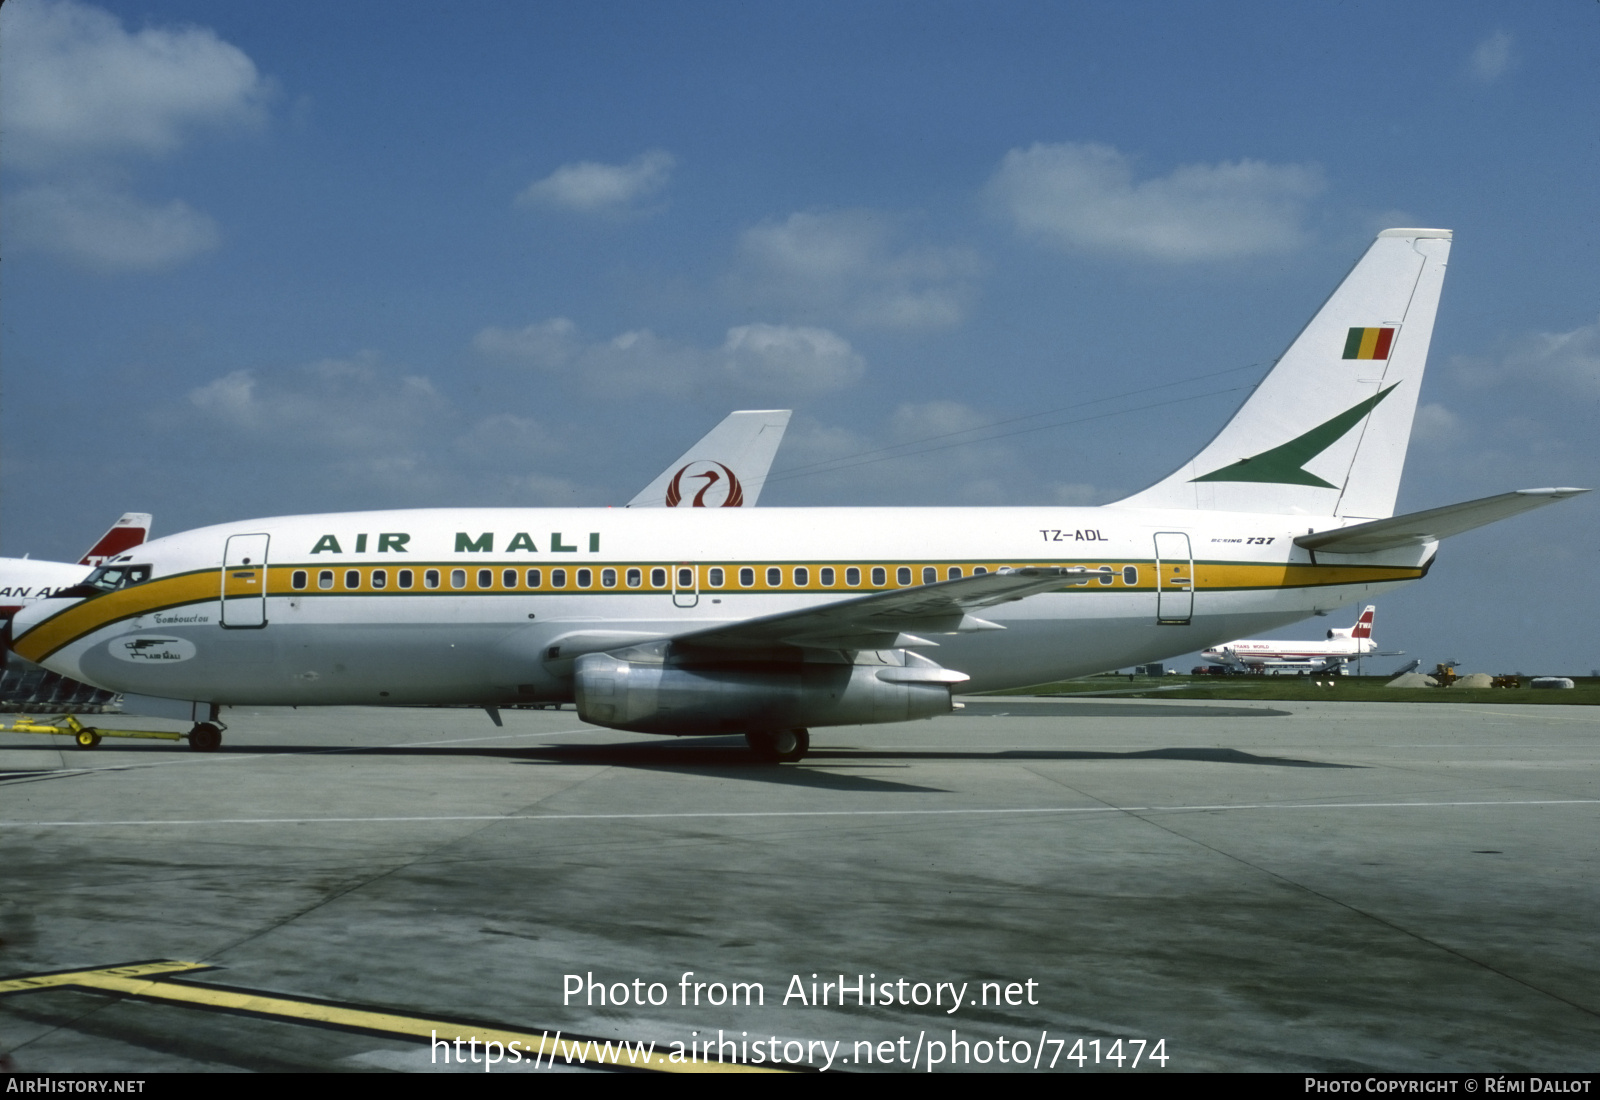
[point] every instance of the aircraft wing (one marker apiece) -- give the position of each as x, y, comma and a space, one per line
1436, 523
737, 453
885, 620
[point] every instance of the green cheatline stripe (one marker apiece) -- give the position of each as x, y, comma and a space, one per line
1283, 465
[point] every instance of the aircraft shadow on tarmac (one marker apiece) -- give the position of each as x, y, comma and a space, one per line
728, 757
1090, 709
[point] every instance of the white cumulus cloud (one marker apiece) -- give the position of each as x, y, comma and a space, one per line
80, 97
1085, 197
588, 187
1569, 361
109, 230
334, 405
851, 265
789, 359
76, 83
773, 360
547, 344
1492, 57
356, 432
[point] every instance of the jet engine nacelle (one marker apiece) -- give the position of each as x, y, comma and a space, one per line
657, 697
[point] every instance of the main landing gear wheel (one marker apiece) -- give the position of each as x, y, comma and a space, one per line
205, 737
780, 746
88, 738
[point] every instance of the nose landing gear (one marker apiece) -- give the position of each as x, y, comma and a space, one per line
779, 746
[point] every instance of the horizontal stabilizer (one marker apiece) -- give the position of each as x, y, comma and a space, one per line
1432, 525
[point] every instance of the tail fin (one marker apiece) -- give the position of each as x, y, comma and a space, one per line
1363, 628
733, 459
129, 531
1325, 433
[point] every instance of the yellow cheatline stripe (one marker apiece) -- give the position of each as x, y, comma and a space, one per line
145, 980
1212, 574
1228, 575
202, 587
90, 615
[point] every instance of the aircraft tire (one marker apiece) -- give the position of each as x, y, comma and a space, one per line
779, 746
88, 738
205, 737
792, 745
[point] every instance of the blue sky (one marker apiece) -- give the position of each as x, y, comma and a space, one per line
302, 257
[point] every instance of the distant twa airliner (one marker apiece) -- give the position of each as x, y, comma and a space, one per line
768, 621
1331, 654
24, 580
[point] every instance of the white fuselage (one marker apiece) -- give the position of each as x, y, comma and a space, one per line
466, 605
24, 581
1291, 654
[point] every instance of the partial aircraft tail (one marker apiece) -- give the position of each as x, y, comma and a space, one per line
129, 531
726, 469
1363, 628
1325, 433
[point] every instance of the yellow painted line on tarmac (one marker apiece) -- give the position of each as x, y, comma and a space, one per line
152, 981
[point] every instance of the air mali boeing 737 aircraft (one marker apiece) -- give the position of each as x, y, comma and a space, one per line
767, 621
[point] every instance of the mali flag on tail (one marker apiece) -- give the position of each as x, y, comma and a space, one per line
1368, 343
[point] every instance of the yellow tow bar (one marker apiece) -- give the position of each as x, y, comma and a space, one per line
87, 737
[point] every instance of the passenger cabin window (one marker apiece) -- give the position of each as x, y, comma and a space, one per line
774, 577
1106, 578
535, 578
558, 578
953, 573
747, 576
352, 578
635, 578
508, 578
585, 578
902, 575
404, 578
380, 578
430, 579
458, 578
1130, 575
715, 577
852, 576
297, 579
325, 579
929, 574
486, 578
686, 578
978, 571
658, 578
608, 578
802, 577
880, 576
825, 576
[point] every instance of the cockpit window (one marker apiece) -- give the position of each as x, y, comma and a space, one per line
109, 578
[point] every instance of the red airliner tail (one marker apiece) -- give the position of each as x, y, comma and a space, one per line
129, 531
